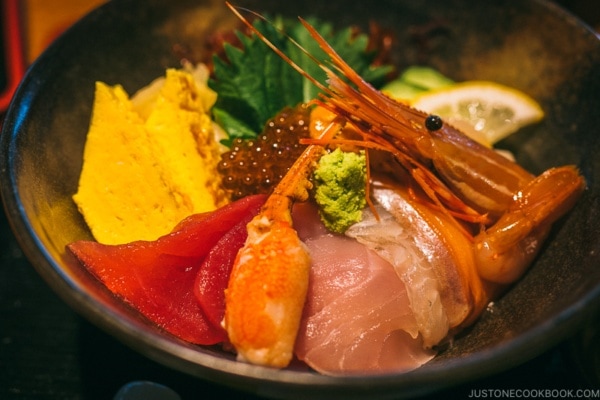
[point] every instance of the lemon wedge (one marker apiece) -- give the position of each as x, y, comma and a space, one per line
486, 111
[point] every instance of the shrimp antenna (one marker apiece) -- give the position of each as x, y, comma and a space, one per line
237, 11
351, 98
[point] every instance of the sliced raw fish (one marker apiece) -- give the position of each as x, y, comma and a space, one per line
358, 317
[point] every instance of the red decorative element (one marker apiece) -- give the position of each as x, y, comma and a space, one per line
13, 50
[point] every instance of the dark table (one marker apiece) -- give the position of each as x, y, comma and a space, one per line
49, 352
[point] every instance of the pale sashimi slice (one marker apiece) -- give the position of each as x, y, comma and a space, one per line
357, 318
356, 306
399, 245
446, 252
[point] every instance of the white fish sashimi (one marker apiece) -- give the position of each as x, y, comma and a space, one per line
357, 318
398, 244
445, 257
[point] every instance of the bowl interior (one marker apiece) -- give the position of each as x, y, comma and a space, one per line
531, 45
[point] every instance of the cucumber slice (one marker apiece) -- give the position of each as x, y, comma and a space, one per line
414, 81
425, 78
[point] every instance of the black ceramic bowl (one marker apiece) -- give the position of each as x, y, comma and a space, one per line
529, 44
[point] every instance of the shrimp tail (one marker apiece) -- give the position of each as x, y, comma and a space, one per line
504, 251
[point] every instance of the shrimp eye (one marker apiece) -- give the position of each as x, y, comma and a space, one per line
433, 123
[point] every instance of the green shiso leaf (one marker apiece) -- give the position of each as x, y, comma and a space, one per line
254, 83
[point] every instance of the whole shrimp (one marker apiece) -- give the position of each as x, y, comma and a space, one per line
472, 182
503, 211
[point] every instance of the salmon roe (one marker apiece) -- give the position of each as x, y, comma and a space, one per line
256, 165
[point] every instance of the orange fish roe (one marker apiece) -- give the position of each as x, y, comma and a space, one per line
256, 165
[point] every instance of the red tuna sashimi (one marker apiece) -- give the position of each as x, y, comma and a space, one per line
213, 276
157, 277
357, 318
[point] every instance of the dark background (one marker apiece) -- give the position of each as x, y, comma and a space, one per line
49, 352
